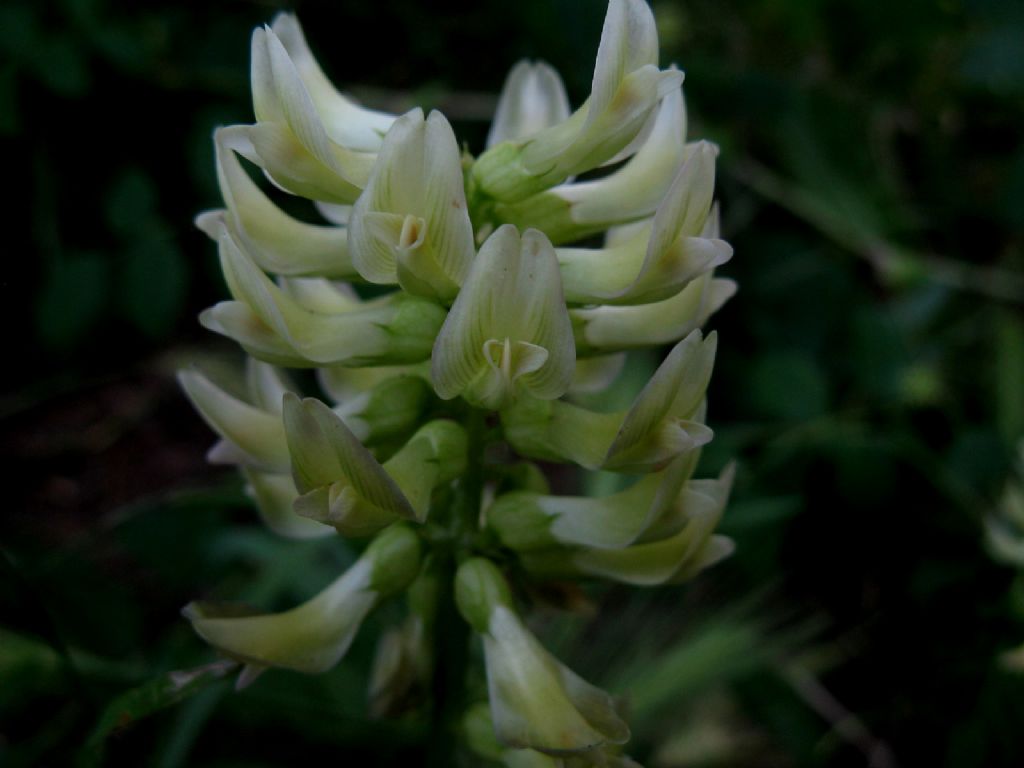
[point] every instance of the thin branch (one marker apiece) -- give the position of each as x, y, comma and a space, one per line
847, 725
886, 257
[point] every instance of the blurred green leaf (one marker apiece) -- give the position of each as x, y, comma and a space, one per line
153, 281
1008, 362
72, 299
996, 60
61, 64
787, 386
131, 204
716, 653
19, 30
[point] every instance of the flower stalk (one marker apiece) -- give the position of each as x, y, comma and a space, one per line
453, 319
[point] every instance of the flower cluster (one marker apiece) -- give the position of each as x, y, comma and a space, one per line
454, 308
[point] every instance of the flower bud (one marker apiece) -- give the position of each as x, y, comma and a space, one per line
411, 225
508, 329
250, 435
536, 702
394, 556
612, 329
290, 140
276, 242
657, 261
627, 86
664, 421
673, 559
314, 636
273, 326
346, 122
576, 210
253, 434
392, 408
532, 99
529, 521
479, 589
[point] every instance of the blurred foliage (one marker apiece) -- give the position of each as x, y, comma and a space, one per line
870, 382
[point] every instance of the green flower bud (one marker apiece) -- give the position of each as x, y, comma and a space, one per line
342, 484
626, 88
434, 456
508, 329
478, 730
664, 421
395, 559
532, 99
391, 408
479, 589
411, 225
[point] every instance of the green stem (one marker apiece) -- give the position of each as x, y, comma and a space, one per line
452, 633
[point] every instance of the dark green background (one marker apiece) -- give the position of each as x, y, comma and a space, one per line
870, 381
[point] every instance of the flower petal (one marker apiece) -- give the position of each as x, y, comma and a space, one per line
532, 99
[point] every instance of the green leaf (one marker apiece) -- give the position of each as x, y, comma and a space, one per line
141, 702
72, 299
